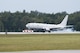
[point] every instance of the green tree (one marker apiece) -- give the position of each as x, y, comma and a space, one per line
77, 26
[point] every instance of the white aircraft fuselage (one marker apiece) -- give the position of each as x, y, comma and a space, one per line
47, 27
43, 26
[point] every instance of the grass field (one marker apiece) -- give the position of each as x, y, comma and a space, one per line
39, 42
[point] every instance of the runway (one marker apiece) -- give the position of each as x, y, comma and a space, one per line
39, 32
48, 51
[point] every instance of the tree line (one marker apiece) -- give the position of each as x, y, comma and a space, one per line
16, 22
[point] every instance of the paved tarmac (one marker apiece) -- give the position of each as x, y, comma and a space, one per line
39, 32
48, 51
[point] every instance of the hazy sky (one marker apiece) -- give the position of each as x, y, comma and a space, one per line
48, 6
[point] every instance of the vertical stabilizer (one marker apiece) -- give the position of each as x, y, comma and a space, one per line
64, 22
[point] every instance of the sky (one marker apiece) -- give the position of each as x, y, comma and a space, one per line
46, 6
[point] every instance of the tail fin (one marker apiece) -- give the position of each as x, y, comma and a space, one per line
64, 22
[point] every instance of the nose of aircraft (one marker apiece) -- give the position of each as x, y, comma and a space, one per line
26, 25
